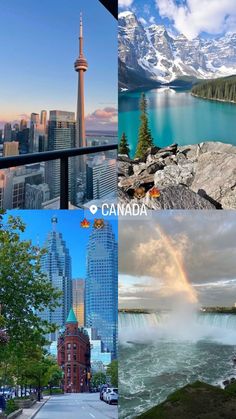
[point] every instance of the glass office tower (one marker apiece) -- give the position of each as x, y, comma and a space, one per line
56, 264
101, 286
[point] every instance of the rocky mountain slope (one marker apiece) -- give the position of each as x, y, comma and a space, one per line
152, 53
199, 176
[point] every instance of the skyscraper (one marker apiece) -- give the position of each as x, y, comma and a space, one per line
78, 291
81, 66
34, 118
101, 177
7, 132
23, 124
61, 135
101, 286
43, 119
56, 264
10, 148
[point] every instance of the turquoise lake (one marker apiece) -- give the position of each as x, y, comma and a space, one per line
177, 117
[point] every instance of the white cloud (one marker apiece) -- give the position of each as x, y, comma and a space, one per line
125, 3
143, 21
194, 17
152, 20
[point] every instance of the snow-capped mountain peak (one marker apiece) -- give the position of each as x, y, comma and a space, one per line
154, 53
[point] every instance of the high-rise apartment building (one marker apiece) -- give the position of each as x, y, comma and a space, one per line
34, 118
56, 264
101, 177
37, 135
13, 184
78, 294
36, 195
43, 119
61, 135
23, 124
10, 148
101, 286
7, 132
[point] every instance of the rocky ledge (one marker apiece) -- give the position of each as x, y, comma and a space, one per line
196, 401
199, 176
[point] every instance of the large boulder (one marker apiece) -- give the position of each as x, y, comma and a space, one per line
175, 175
178, 197
172, 197
215, 173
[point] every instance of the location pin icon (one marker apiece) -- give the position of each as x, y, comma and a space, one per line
93, 209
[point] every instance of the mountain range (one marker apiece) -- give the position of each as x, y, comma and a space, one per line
150, 55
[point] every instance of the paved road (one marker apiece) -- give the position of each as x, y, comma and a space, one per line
77, 406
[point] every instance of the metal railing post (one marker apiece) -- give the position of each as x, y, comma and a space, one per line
64, 183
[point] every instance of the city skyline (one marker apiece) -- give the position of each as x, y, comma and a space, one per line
48, 80
68, 224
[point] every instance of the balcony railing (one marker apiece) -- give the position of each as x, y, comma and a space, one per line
63, 156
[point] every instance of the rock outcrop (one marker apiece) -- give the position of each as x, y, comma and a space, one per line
199, 176
196, 401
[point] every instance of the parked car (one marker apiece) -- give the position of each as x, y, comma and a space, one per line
102, 389
6, 392
112, 396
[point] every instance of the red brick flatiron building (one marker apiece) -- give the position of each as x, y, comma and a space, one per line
73, 354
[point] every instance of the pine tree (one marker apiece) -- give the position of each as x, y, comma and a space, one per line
124, 146
145, 138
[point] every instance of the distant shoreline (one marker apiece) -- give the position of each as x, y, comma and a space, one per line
213, 99
207, 310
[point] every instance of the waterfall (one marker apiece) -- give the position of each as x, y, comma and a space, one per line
139, 320
223, 321
177, 326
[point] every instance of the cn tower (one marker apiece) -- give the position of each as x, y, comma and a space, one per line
81, 66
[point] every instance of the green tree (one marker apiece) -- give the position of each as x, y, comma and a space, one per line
54, 376
112, 372
98, 379
24, 290
124, 146
42, 372
145, 138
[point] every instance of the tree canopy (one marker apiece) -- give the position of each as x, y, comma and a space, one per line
219, 89
24, 292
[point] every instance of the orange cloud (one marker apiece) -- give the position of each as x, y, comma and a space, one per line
103, 118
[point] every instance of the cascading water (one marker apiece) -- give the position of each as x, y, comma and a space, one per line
160, 352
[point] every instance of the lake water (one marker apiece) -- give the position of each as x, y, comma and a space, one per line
177, 117
157, 356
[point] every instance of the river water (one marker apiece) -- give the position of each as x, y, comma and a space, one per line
159, 353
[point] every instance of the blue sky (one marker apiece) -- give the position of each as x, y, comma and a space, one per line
38, 47
39, 224
190, 17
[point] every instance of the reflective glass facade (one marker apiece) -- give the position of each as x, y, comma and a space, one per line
56, 264
101, 286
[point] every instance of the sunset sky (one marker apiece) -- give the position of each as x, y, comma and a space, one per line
39, 44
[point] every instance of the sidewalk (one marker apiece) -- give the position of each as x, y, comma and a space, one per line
31, 413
